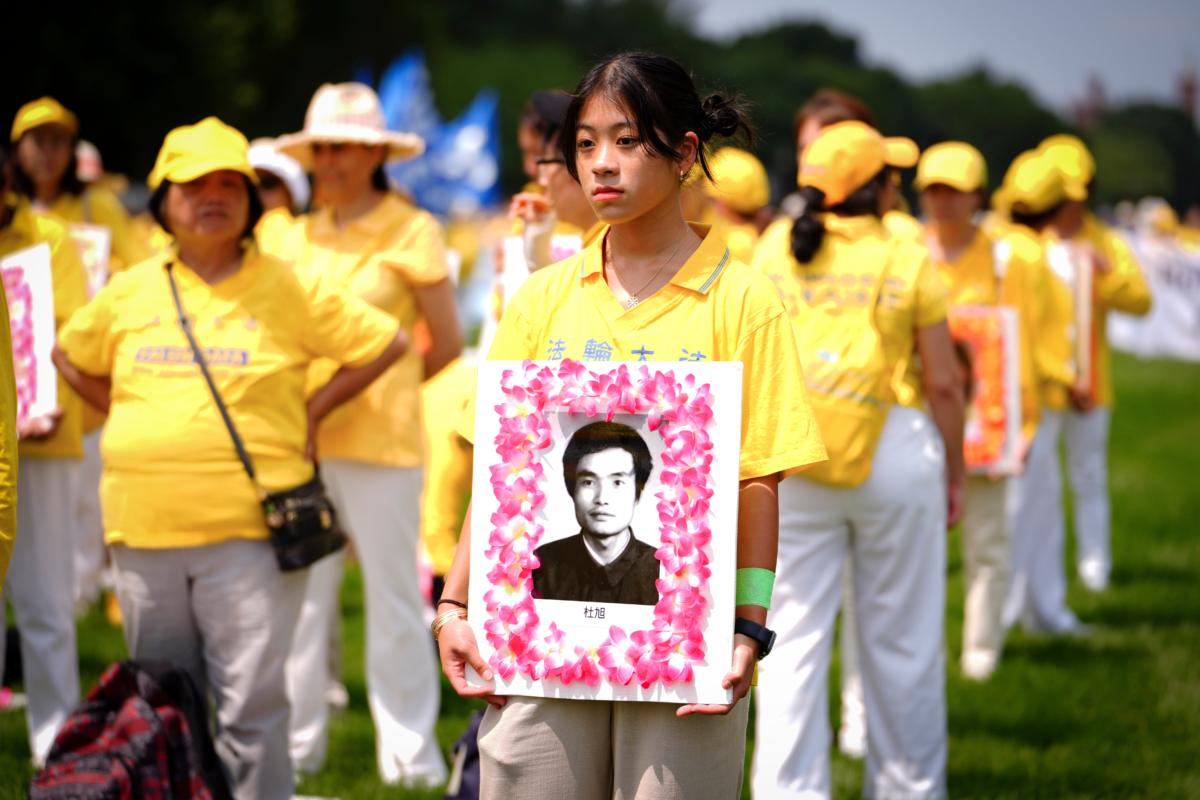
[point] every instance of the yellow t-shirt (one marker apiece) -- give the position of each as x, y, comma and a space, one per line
8, 442
380, 257
69, 282
101, 207
1123, 288
975, 278
844, 272
713, 309
274, 229
171, 475
903, 225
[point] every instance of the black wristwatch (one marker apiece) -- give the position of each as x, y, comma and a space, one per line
759, 633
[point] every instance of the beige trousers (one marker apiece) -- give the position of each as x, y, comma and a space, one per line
539, 749
985, 553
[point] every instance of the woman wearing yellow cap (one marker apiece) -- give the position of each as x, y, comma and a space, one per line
862, 302
44, 136
1031, 196
1118, 285
651, 287
982, 268
369, 240
41, 583
197, 580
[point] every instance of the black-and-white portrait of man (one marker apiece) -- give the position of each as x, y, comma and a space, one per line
605, 468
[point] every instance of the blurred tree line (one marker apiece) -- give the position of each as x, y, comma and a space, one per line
135, 69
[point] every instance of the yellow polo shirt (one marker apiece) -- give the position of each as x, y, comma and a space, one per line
1123, 288
8, 442
975, 278
379, 257
171, 475
713, 309
27, 228
843, 272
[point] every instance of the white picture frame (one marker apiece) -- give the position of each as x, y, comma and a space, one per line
676, 650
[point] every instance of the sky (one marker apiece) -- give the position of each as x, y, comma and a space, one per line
1138, 49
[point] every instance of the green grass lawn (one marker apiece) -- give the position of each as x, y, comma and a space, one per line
1113, 715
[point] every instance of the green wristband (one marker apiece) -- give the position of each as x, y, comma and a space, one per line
754, 586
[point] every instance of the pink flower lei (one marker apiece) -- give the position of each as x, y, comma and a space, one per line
681, 411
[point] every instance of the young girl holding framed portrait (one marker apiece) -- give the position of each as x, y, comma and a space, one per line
654, 288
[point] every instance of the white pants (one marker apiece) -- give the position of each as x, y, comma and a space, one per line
854, 713
41, 587
379, 509
892, 528
225, 613
1037, 589
90, 554
1086, 437
985, 554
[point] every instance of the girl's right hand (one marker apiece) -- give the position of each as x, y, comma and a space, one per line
457, 649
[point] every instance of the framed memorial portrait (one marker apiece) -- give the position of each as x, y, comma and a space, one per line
29, 290
604, 528
991, 438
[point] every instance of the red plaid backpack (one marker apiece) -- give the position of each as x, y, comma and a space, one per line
142, 732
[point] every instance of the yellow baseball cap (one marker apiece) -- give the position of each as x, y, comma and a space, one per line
739, 180
190, 151
1072, 158
955, 164
1033, 184
846, 155
43, 111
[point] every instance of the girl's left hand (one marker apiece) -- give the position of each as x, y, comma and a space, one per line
745, 655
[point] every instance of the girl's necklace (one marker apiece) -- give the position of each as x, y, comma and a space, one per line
632, 299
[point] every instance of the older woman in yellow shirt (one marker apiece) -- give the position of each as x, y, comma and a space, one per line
196, 577
372, 242
41, 581
861, 300
44, 134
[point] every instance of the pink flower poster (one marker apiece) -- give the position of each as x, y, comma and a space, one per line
30, 293
604, 528
94, 243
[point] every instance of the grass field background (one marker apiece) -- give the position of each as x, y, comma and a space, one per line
1114, 715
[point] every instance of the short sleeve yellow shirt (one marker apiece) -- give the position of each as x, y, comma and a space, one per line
845, 270
713, 309
101, 207
171, 475
381, 258
69, 282
997, 270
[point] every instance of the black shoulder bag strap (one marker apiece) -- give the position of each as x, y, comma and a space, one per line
198, 354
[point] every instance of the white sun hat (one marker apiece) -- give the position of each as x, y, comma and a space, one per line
347, 112
264, 156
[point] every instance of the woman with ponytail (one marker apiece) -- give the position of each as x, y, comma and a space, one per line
861, 301
652, 286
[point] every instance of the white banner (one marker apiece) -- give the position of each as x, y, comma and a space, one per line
1172, 328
